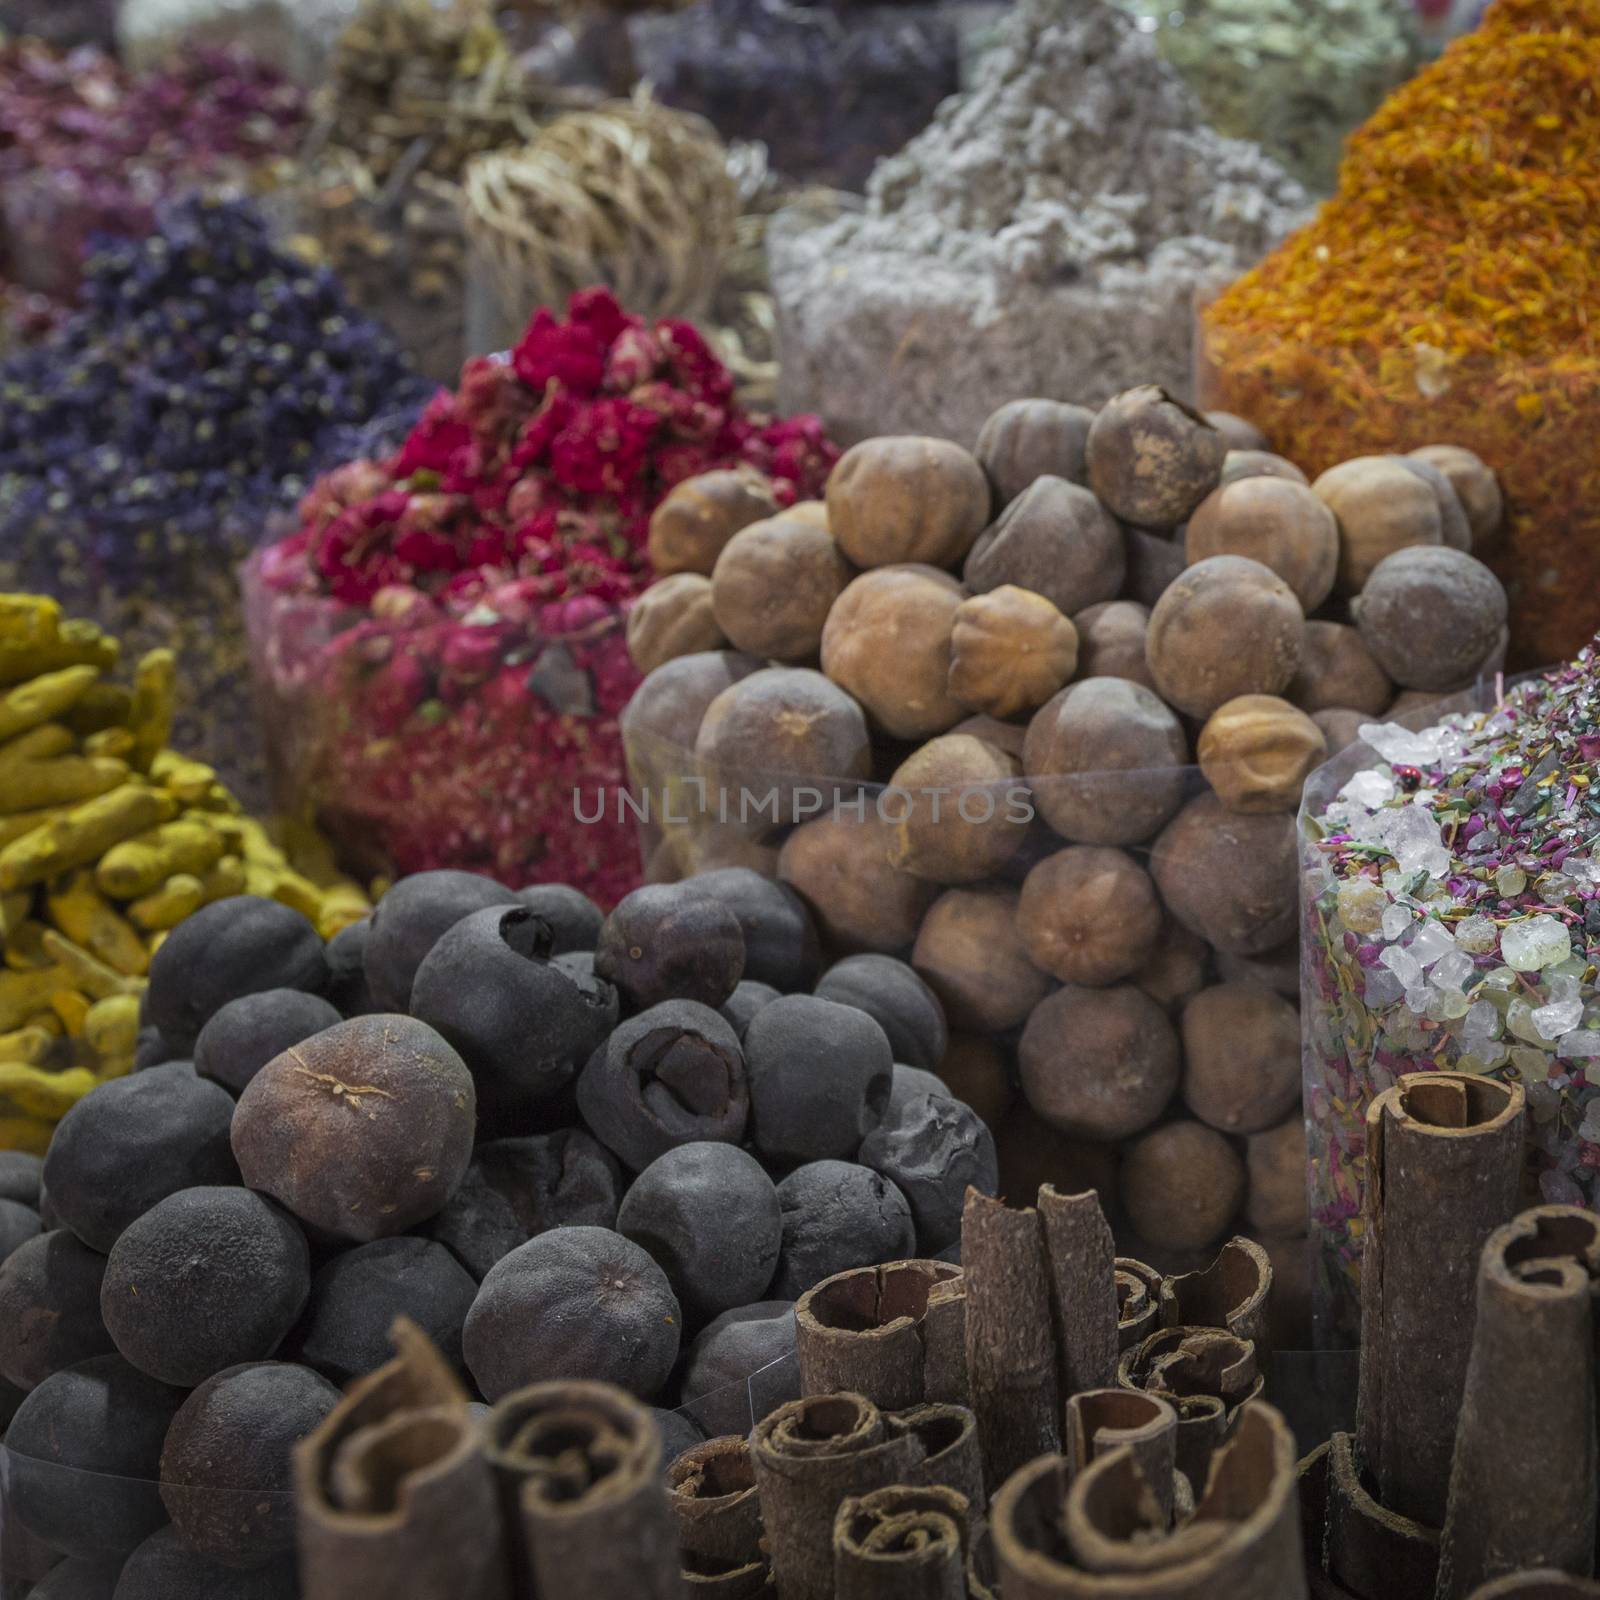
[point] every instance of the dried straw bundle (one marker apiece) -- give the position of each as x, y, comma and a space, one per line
631, 194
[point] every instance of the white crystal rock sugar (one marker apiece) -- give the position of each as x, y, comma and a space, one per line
1477, 935
1396, 921
1453, 969
1431, 941
1530, 944
1562, 1010
1370, 788
1412, 837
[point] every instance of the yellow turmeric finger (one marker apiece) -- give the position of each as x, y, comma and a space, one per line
14, 909
35, 1093
46, 1022
73, 1009
29, 1134
24, 950
83, 834
226, 878
43, 699
340, 907
154, 684
48, 740
301, 893
26, 821
112, 1028
180, 896
105, 706
29, 619
82, 913
86, 972
28, 1044
23, 993
65, 781
117, 743
140, 865
261, 881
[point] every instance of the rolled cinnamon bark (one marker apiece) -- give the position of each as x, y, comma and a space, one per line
581, 1464
951, 1457
862, 1332
1232, 1293
1098, 1540
1205, 1375
1373, 1553
711, 1580
394, 1493
1011, 1357
1102, 1420
1444, 1159
901, 1543
1138, 1295
810, 1456
983, 1567
1083, 1289
711, 1489
1541, 1585
944, 1345
1522, 1483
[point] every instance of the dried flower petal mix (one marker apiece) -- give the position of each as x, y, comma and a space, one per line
1452, 899
442, 636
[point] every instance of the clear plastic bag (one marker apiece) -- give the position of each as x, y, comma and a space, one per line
439, 738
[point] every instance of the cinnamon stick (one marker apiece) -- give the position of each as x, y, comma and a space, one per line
711, 1489
951, 1457
944, 1344
393, 1491
1138, 1294
1232, 1293
1372, 1552
901, 1543
811, 1455
983, 1566
580, 1463
1102, 1420
1083, 1288
1011, 1359
1523, 1481
862, 1332
1444, 1159
712, 1580
1100, 1538
1541, 1585
1205, 1375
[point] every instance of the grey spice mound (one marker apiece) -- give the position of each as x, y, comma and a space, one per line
1046, 235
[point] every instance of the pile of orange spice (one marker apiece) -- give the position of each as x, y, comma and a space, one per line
1450, 291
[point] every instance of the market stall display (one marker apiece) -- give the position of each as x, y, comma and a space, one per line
1045, 235
414, 91
146, 442
1295, 79
1063, 785
87, 147
758, 69
297, 36
693, 1127
632, 195
1434, 299
108, 840
1448, 882
440, 646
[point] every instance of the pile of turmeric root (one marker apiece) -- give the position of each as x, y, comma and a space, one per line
108, 840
